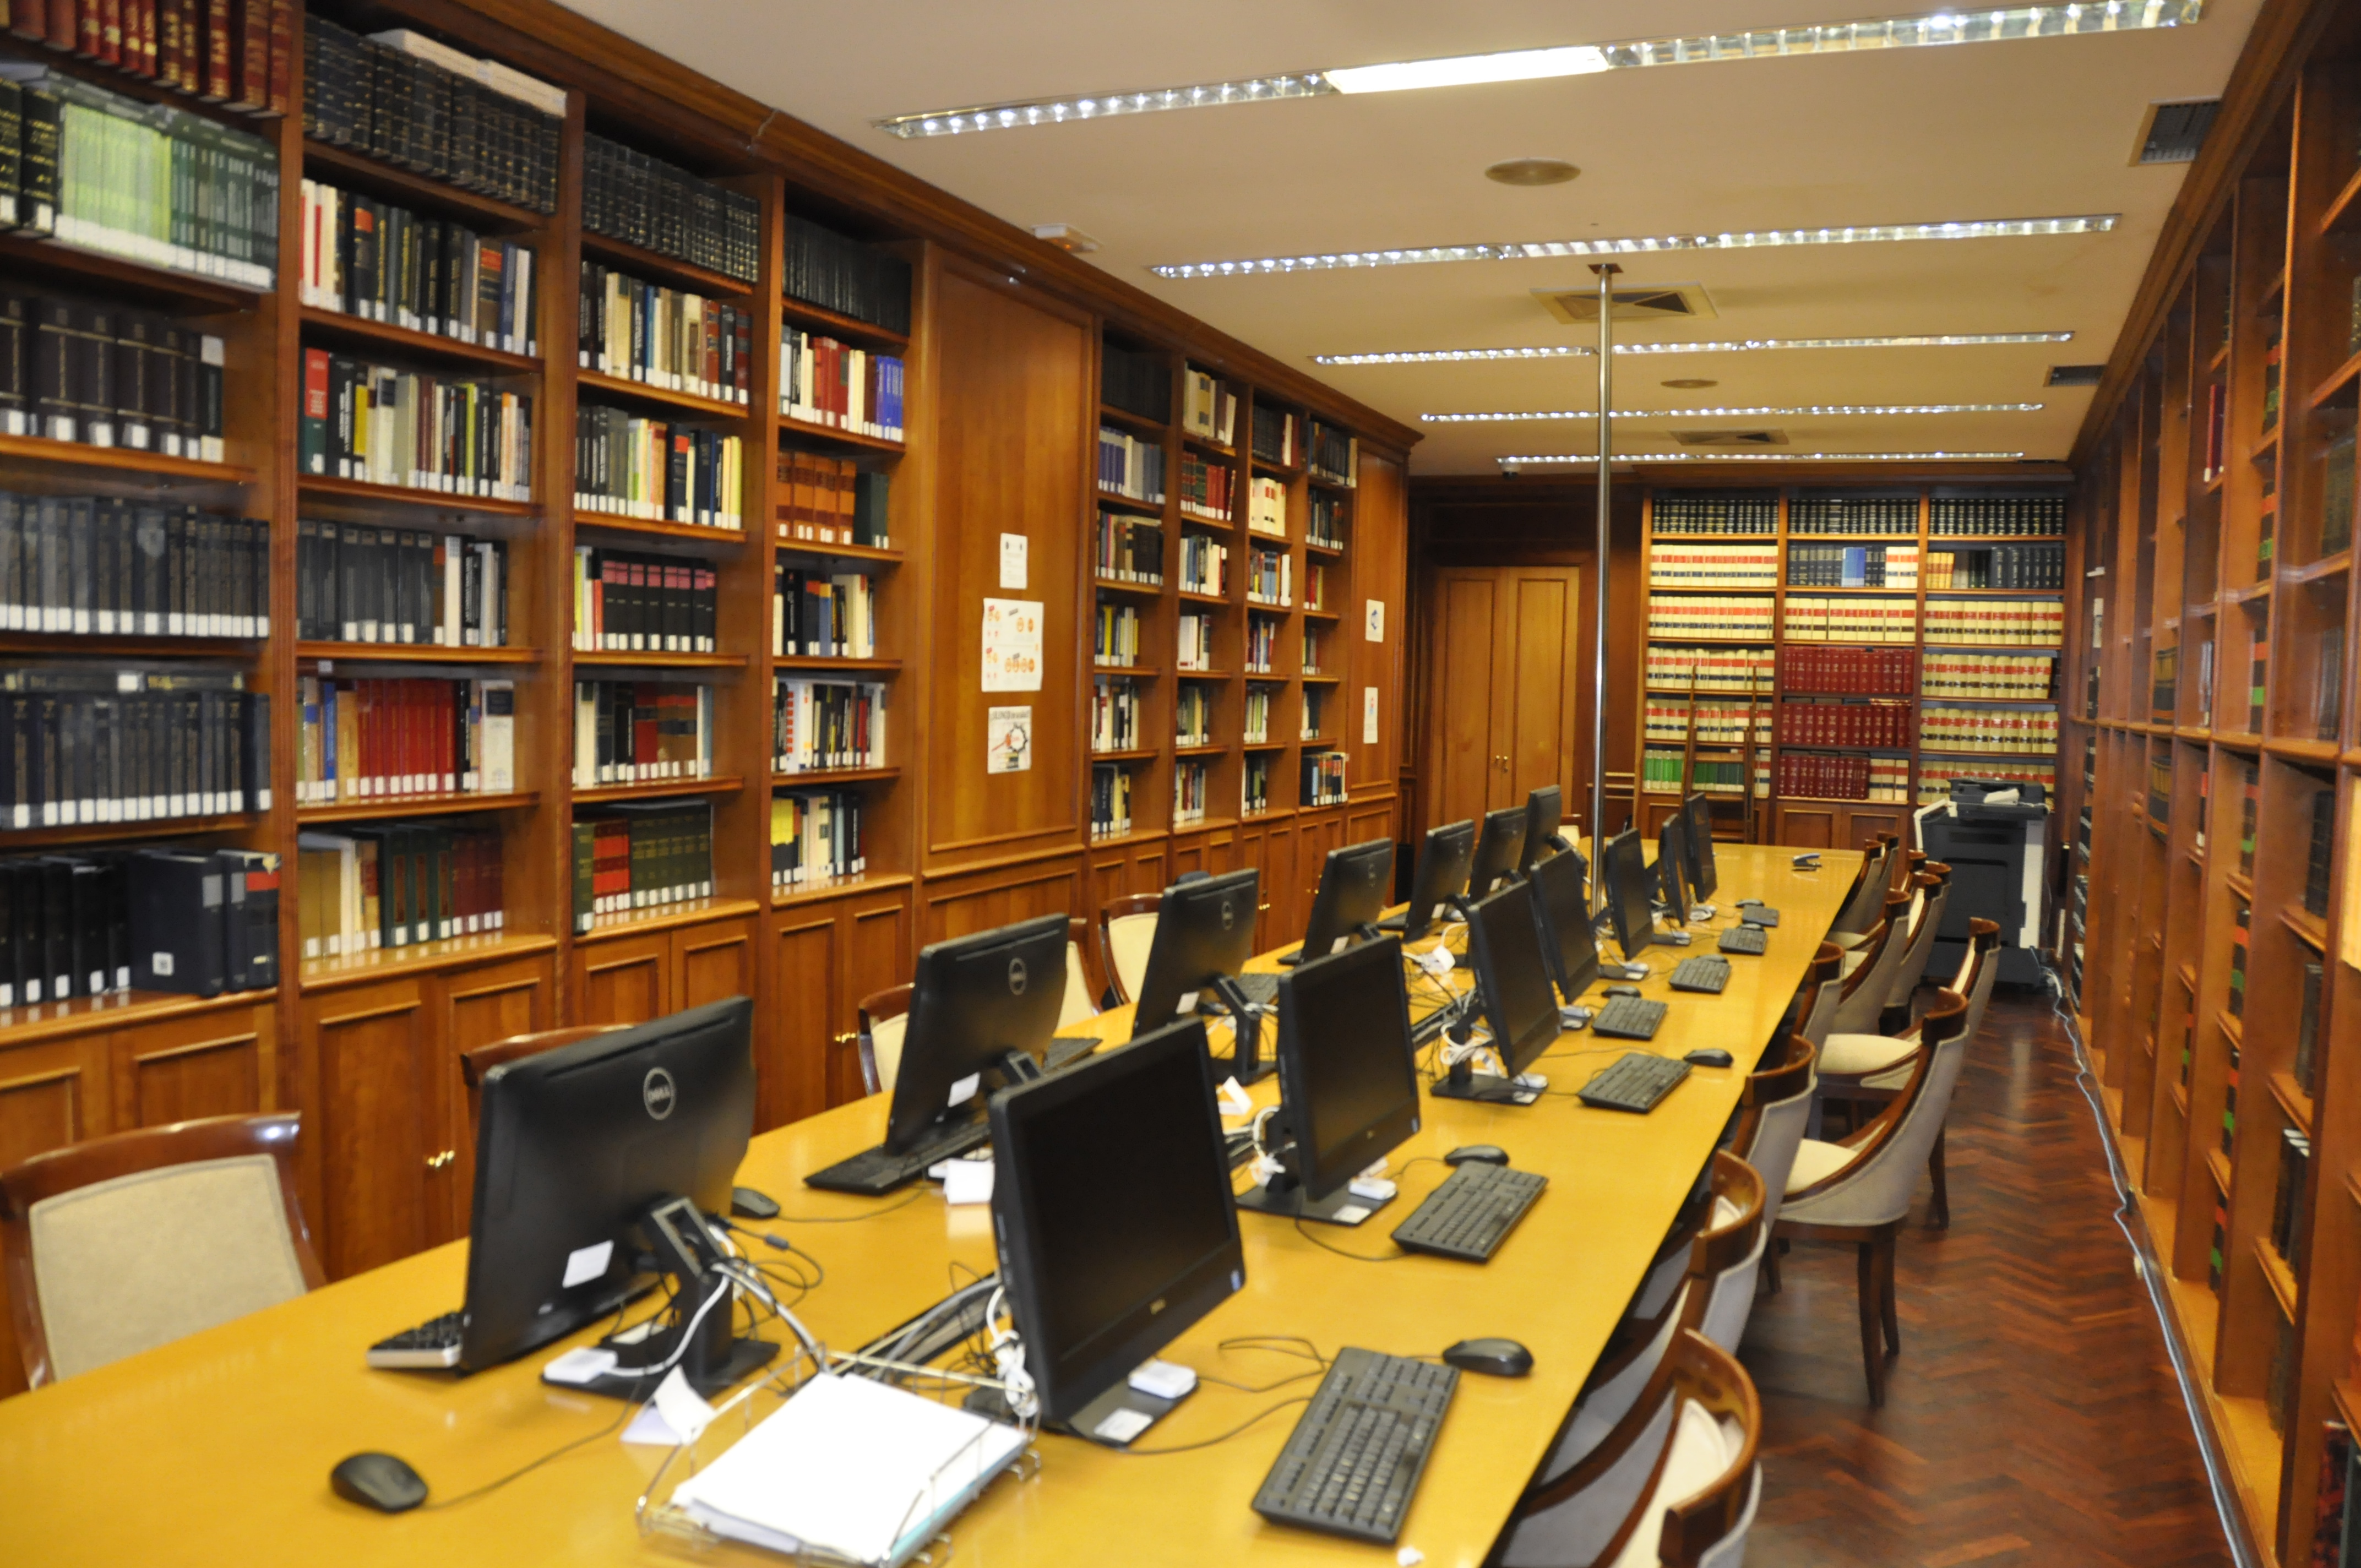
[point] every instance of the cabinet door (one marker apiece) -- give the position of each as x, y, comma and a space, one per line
378, 1076
873, 944
712, 961
478, 1006
626, 981
51, 1094
806, 1055
211, 1064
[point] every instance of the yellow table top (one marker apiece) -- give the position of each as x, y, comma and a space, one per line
216, 1449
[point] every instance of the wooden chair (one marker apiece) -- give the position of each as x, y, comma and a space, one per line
1869, 970
1086, 986
885, 1014
1931, 894
1859, 1191
1126, 930
1863, 904
1771, 1111
125, 1243
1674, 1484
474, 1064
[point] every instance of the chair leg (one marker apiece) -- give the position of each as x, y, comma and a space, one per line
1873, 1357
1886, 1295
1939, 1215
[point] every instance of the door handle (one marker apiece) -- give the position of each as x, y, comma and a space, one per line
844, 1039
438, 1161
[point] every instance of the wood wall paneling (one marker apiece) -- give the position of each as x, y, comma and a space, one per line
210, 1064
625, 979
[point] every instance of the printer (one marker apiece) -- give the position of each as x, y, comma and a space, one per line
1992, 834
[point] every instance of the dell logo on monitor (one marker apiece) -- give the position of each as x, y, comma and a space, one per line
1229, 915
657, 1094
1016, 977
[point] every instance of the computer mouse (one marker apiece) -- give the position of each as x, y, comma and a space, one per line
1492, 1357
1488, 1153
748, 1204
1622, 991
378, 1481
1710, 1056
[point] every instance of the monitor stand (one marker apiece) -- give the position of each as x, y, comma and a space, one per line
1284, 1197
1463, 1082
716, 1359
1246, 1033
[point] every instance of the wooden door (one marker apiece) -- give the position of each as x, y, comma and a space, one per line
378, 1122
1508, 667
1467, 653
712, 961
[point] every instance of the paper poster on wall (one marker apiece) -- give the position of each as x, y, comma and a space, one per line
1376, 629
1012, 560
1368, 715
1010, 733
1012, 645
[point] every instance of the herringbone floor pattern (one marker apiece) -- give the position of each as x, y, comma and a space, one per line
2032, 1418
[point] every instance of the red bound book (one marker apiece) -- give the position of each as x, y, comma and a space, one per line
644, 728
65, 24
110, 32
283, 45
30, 19
147, 65
250, 55
90, 29
217, 33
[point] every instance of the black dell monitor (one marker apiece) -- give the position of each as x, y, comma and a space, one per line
1545, 809
584, 1157
1355, 883
976, 999
1348, 1082
1513, 979
1562, 912
1629, 887
1440, 876
1698, 813
1204, 935
1497, 849
1673, 867
1117, 1230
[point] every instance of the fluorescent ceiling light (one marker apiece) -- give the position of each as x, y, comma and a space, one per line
1812, 411
1553, 249
1748, 346
1544, 459
1931, 29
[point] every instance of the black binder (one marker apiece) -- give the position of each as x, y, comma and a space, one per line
178, 927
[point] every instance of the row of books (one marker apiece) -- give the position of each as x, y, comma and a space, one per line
1811, 619
831, 500
1114, 634
1848, 672
1853, 514
1715, 723
1998, 566
1812, 775
817, 725
815, 838
1943, 728
2337, 483
2019, 623
408, 100
2306, 1065
1192, 788
1253, 785
1717, 618
2026, 516
416, 430
236, 53
1114, 715
1270, 577
379, 262
1323, 778
625, 603
101, 374
2160, 789
160, 186
1852, 565
396, 884
2288, 1201
1277, 436
641, 732
1130, 466
1139, 381
1266, 506
1262, 645
193, 922
822, 615
2320, 853
1674, 668
667, 337
1208, 409
1205, 489
641, 855
1129, 550
1325, 520
360, 583
1316, 713
1686, 566
1193, 715
1111, 789
1713, 511
1315, 641
642, 200
1315, 585
88, 744
1194, 643
657, 470
1660, 773
1205, 565
823, 380
98, 567
1334, 455
838, 273
376, 739
2015, 678
1258, 713
1886, 724
1935, 775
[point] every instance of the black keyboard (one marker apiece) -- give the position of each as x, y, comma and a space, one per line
1352, 1463
434, 1343
1629, 1018
1634, 1081
1745, 939
873, 1172
1705, 972
1758, 914
1067, 1049
1470, 1215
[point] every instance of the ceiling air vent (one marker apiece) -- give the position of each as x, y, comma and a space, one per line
2075, 375
1730, 437
2174, 131
1633, 302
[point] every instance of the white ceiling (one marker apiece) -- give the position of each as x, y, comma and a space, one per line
2022, 129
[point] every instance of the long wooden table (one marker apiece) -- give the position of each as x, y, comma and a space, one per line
216, 1449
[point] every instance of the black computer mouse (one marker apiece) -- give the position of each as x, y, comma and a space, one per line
1622, 991
1710, 1056
749, 1204
1492, 1357
379, 1481
1488, 1154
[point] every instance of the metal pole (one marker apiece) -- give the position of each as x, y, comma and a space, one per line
1606, 271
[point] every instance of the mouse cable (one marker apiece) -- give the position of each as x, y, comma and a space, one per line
908, 1199
1394, 1257
1192, 1447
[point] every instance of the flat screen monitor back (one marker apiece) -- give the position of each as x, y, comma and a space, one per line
1441, 875
1497, 849
1348, 1071
1113, 1208
976, 998
1505, 943
1203, 929
1545, 809
574, 1144
1625, 867
1703, 877
1355, 883
1562, 909
1673, 867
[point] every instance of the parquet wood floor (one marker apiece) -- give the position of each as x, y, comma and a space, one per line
2032, 1418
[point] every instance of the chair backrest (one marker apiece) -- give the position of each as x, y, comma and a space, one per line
474, 1064
1863, 1002
1774, 1109
1674, 1481
1932, 888
122, 1244
885, 1015
1126, 930
1727, 1255
1978, 968
1868, 895
1825, 984
1875, 1187
1085, 976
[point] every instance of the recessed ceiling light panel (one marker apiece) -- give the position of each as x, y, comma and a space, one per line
1748, 345
1809, 411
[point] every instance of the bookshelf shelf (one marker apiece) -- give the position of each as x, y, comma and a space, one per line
851, 328
631, 527
840, 552
1332, 552
74, 644
1214, 748
73, 457
15, 839
2336, 381
603, 659
434, 502
1140, 590
412, 653
1314, 679
2217, 1166
827, 777
357, 330
2309, 928
420, 957
118, 1009
1212, 674
1130, 503
2278, 1276
21, 257
811, 430
2341, 211
656, 265
659, 789
628, 391
1110, 414
1142, 672
833, 888
388, 805
341, 166
2293, 1100
2299, 751
1189, 595
864, 666
2324, 571
665, 917
1128, 754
